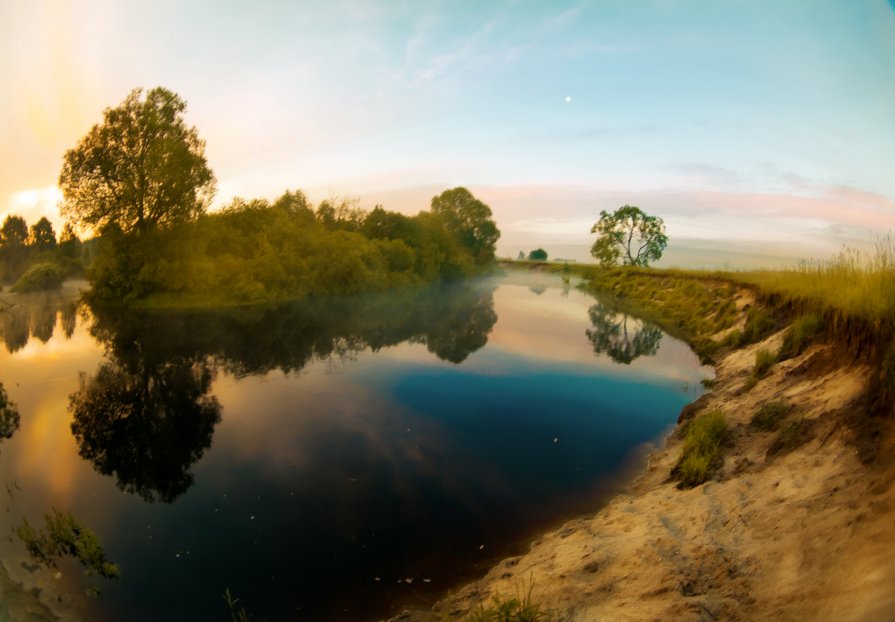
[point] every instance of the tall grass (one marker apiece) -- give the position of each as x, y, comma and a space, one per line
859, 283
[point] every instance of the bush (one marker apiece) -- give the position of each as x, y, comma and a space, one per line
702, 449
40, 277
799, 335
769, 416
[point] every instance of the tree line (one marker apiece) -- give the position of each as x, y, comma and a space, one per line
140, 179
24, 249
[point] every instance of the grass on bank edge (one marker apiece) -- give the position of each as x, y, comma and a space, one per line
521, 608
704, 438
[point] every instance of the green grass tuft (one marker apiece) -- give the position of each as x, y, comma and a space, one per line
799, 335
518, 609
769, 416
703, 440
764, 360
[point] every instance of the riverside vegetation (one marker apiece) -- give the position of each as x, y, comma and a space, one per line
788, 457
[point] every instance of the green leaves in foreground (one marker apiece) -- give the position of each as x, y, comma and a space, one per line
703, 439
65, 536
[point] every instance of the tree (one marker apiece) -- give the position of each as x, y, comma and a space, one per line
628, 234
13, 237
538, 254
141, 168
611, 335
469, 220
42, 237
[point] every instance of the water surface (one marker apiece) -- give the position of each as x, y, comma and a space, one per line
322, 461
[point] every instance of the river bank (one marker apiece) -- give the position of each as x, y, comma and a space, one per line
794, 525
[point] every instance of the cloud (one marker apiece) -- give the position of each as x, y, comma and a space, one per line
695, 173
33, 203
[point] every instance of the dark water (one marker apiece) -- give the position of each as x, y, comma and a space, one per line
325, 461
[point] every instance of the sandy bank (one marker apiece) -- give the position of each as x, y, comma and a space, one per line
798, 523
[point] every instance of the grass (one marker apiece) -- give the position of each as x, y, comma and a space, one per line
687, 304
522, 608
703, 440
64, 536
799, 334
769, 416
764, 360
856, 283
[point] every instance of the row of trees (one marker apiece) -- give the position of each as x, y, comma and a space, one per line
22, 246
140, 178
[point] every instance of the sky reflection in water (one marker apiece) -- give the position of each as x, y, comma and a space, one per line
312, 459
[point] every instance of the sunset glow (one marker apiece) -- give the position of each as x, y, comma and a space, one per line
761, 124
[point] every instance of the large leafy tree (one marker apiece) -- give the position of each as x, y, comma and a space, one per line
469, 220
141, 168
630, 235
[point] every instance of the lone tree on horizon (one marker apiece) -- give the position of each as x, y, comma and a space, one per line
141, 168
630, 235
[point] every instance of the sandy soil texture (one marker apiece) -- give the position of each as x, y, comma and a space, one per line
797, 524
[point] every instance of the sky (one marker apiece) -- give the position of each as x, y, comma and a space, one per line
759, 128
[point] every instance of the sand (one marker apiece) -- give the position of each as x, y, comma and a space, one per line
804, 531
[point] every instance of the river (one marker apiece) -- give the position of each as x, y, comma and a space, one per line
328, 460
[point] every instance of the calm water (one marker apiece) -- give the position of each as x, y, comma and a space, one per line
322, 461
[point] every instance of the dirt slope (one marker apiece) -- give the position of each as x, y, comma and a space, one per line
798, 523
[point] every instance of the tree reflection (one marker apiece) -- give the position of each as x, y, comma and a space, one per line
146, 415
9, 415
34, 316
146, 425
613, 335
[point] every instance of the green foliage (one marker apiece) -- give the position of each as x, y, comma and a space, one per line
65, 536
141, 168
630, 235
691, 307
703, 440
539, 254
759, 323
469, 221
764, 360
40, 277
799, 335
257, 251
769, 416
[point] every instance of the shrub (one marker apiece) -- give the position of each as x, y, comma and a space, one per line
769, 416
799, 335
40, 277
703, 439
